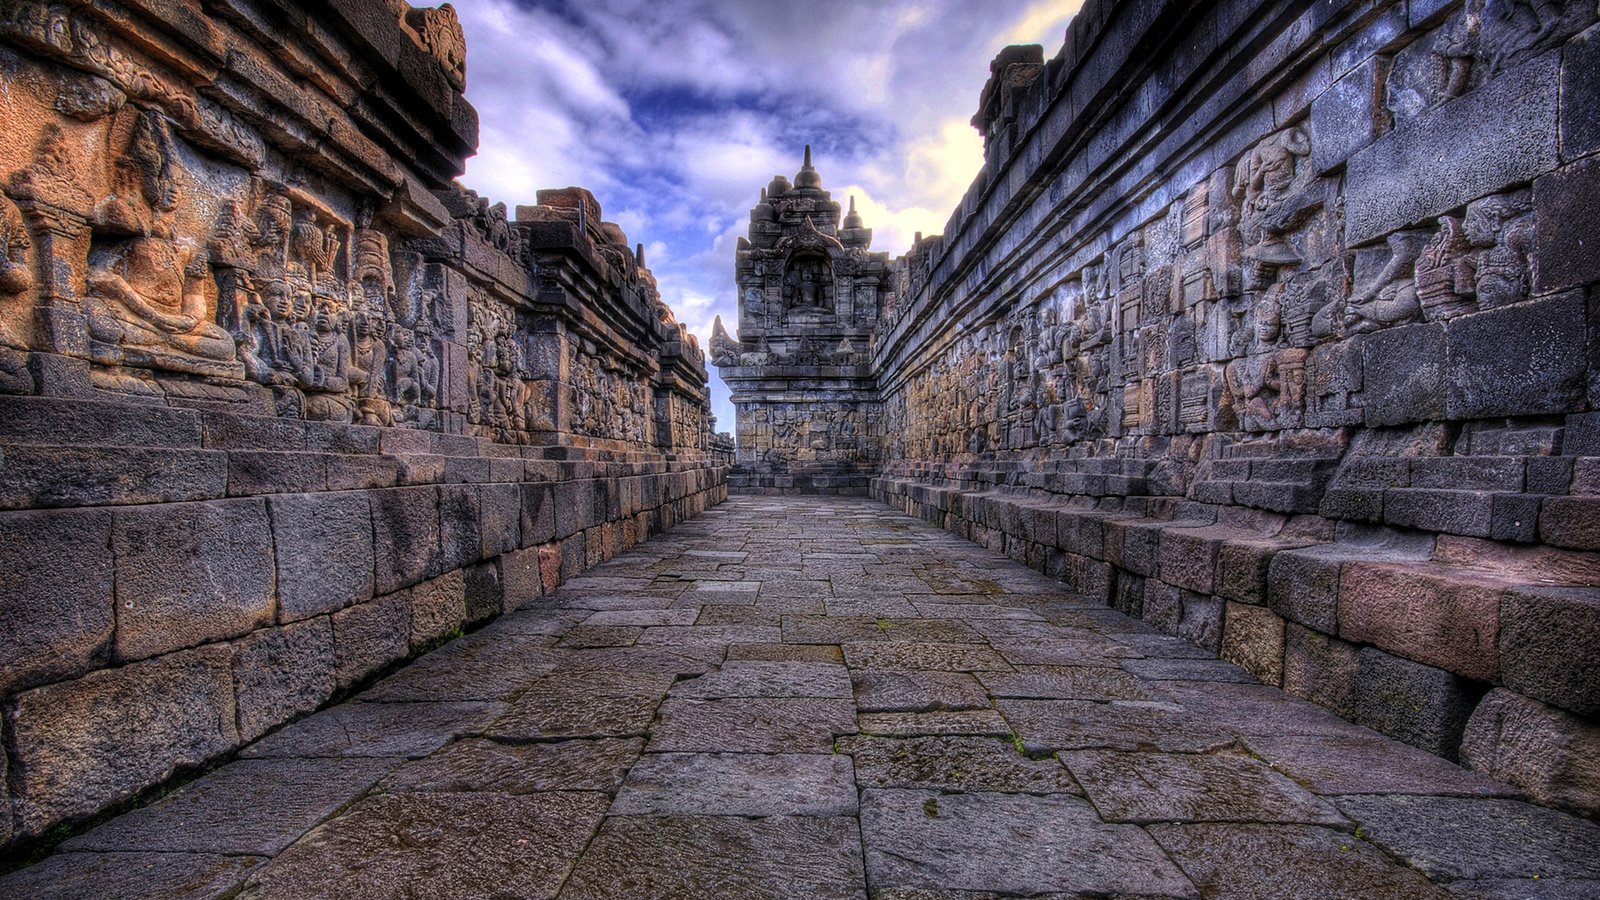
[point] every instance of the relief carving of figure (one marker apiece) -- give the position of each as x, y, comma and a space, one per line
1501, 231
1269, 185
1268, 386
147, 295
313, 246
1444, 272
16, 277
327, 398
1391, 297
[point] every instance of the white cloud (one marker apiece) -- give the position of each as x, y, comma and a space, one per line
675, 113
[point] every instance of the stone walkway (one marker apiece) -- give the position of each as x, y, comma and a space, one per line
818, 698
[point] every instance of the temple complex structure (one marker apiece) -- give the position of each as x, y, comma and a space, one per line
810, 293
1270, 330
1269, 323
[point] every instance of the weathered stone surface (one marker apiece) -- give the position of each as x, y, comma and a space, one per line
438, 608
1253, 639
1420, 705
369, 636
768, 679
1550, 754
1457, 838
738, 784
968, 764
1446, 619
249, 807
281, 672
190, 573
1549, 644
1012, 843
1468, 147
56, 613
478, 765
913, 724
1267, 861
598, 704
1321, 669
81, 745
1250, 709
158, 876
405, 531
1144, 788
524, 846
920, 691
751, 725
1098, 683
690, 856
323, 549
908, 656
1368, 764
376, 730
1047, 725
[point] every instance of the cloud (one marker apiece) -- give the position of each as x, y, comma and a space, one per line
675, 113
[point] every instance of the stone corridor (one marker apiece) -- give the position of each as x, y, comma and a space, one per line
803, 697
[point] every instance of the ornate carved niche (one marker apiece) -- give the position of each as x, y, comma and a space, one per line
808, 281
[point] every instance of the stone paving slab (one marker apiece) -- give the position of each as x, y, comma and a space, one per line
820, 698
438, 846
776, 858
250, 807
150, 876
738, 784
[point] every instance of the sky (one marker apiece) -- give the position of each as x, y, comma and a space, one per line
675, 113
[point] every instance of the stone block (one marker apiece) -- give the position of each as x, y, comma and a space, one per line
574, 508
1321, 669
1442, 616
279, 673
1550, 646
351, 472
1580, 96
252, 472
538, 514
82, 745
1477, 144
1421, 705
324, 552
81, 423
1188, 558
1345, 117
1201, 624
485, 591
438, 608
1402, 373
1551, 754
501, 527
405, 530
56, 608
460, 526
369, 636
1303, 587
1571, 522
189, 573
1431, 509
1253, 640
109, 476
1524, 359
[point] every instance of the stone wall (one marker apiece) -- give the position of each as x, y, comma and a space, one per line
280, 403
1276, 324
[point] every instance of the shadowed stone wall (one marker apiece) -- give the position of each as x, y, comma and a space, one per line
280, 403
1275, 324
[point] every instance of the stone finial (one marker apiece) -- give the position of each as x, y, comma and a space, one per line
807, 177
